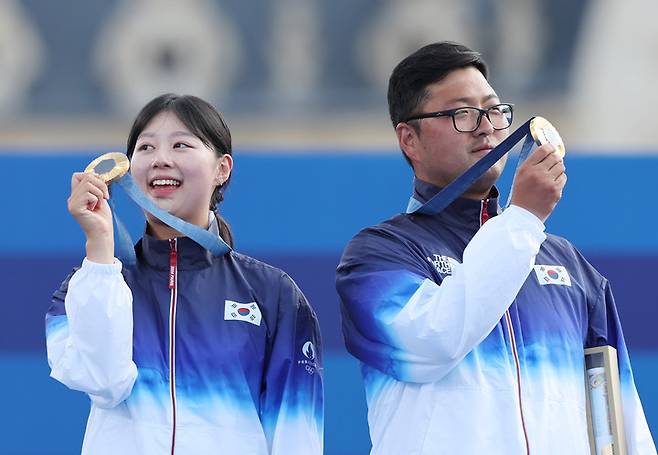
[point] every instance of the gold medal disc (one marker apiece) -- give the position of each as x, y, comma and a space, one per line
110, 166
544, 133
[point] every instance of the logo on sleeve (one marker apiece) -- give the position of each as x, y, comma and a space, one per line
552, 274
309, 364
246, 312
308, 350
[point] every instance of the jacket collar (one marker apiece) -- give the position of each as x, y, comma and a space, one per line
461, 210
189, 254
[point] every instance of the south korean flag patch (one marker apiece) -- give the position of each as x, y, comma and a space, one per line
552, 274
246, 312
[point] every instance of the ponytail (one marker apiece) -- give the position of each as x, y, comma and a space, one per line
224, 229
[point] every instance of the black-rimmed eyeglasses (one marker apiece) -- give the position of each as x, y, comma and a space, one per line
467, 119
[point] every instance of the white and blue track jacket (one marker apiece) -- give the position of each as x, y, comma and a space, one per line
189, 354
471, 335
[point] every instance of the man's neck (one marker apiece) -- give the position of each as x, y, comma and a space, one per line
471, 193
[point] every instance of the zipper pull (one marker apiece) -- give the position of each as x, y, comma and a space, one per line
172, 263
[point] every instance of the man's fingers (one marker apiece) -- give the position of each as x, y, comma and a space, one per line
557, 169
540, 154
561, 179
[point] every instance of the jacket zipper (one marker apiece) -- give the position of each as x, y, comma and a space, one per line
484, 211
517, 366
173, 282
484, 216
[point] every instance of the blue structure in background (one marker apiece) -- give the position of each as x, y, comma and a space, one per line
296, 212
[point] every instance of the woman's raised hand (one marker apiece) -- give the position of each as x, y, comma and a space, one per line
88, 204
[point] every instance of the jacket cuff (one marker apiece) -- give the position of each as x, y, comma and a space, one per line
526, 217
101, 269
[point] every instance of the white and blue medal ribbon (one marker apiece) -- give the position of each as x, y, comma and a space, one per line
534, 132
112, 168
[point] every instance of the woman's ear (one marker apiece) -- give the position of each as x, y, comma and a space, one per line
224, 167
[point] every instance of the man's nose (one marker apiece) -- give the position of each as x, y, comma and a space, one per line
485, 127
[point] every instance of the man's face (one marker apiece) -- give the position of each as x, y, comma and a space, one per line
440, 153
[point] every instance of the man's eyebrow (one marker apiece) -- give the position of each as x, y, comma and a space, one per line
470, 100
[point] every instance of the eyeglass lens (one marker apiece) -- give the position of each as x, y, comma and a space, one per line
468, 119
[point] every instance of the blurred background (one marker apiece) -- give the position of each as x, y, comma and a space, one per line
302, 84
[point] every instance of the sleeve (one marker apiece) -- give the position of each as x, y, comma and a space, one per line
397, 319
292, 402
605, 329
89, 334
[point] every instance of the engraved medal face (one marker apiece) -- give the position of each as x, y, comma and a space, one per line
110, 167
544, 133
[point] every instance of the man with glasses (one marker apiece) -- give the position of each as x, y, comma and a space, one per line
470, 323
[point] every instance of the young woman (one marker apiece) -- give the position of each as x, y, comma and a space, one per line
184, 353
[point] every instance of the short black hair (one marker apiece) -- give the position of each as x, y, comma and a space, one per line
407, 86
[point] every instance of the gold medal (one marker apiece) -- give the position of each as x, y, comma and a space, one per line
544, 133
110, 166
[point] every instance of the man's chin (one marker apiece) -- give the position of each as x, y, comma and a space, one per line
487, 181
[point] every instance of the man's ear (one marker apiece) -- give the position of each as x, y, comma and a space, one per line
408, 140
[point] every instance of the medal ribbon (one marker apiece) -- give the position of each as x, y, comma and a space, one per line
462, 183
125, 249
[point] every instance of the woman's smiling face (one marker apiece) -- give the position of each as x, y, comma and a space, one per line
176, 169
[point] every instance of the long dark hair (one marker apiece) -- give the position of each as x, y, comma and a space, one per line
205, 122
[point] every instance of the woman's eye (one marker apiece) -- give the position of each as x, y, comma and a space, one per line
144, 147
180, 145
